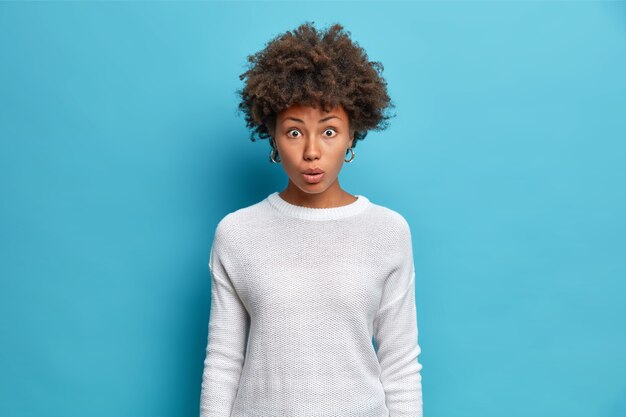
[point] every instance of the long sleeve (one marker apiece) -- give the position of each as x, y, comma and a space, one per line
226, 343
395, 334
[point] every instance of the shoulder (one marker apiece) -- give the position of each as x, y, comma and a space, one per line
392, 233
241, 220
389, 227
389, 218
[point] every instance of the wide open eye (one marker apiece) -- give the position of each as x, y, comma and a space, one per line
330, 130
293, 130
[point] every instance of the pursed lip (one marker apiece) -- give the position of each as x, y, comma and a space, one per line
312, 171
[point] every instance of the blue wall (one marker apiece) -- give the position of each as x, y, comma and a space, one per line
121, 149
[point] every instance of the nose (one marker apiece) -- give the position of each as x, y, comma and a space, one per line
311, 149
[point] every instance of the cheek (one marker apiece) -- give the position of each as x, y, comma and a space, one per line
289, 162
337, 162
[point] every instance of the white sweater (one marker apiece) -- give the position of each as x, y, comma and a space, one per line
297, 294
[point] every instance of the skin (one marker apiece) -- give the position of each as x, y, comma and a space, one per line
317, 139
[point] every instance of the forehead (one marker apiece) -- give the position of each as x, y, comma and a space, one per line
308, 112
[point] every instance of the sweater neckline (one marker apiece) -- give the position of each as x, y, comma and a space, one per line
314, 213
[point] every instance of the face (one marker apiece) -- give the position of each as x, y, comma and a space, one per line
307, 137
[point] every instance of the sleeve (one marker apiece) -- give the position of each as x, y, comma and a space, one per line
395, 335
226, 342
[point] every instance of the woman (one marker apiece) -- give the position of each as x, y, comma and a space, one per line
304, 280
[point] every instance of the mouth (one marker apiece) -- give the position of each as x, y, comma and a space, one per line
313, 178
313, 171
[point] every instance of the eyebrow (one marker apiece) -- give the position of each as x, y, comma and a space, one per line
320, 121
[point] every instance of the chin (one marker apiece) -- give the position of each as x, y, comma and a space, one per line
313, 188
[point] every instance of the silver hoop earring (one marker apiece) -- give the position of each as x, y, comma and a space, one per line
352, 157
273, 158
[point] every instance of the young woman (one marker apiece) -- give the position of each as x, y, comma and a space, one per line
305, 280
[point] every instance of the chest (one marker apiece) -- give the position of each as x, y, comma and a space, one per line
320, 274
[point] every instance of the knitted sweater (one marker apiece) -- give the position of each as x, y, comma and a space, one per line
298, 295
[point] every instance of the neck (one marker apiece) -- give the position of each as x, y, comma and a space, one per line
332, 197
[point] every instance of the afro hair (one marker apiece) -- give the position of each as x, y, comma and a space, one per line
314, 68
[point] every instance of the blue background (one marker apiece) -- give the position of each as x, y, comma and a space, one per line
121, 149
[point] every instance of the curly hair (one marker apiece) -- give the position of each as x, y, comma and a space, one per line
314, 68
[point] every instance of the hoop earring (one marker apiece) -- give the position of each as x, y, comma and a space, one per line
352, 157
273, 152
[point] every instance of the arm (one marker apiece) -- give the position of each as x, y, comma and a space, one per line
395, 334
225, 352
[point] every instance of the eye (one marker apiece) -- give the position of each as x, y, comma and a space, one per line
293, 130
330, 130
